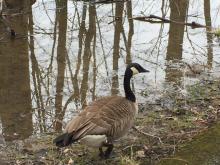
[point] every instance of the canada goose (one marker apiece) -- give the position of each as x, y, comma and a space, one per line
104, 120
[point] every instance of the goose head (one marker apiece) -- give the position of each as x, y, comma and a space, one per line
135, 68
131, 70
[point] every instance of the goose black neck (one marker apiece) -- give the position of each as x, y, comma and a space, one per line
128, 92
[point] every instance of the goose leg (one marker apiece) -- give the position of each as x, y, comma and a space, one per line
101, 153
108, 150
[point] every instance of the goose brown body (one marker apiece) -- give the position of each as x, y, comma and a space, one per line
111, 116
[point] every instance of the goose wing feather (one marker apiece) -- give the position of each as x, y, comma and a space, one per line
111, 116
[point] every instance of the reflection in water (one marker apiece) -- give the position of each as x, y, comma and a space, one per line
82, 29
61, 61
94, 73
15, 92
16, 4
208, 21
130, 32
37, 79
90, 34
118, 30
178, 12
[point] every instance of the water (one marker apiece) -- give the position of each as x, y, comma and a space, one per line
66, 54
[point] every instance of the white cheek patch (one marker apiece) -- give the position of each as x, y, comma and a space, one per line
134, 70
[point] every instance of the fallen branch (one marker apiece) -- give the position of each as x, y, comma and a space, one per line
165, 20
147, 134
108, 1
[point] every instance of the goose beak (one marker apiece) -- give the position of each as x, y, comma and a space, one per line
144, 70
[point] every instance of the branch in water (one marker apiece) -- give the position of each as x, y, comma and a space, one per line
165, 20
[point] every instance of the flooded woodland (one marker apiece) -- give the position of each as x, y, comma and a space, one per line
57, 56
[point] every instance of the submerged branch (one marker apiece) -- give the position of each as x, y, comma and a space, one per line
165, 20
109, 1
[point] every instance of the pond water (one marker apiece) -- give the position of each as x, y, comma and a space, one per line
67, 53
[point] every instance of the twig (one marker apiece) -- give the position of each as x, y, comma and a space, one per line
147, 134
108, 1
129, 146
165, 20
116, 19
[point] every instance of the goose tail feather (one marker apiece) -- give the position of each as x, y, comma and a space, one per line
63, 140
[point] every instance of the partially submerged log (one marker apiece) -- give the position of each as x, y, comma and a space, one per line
151, 18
